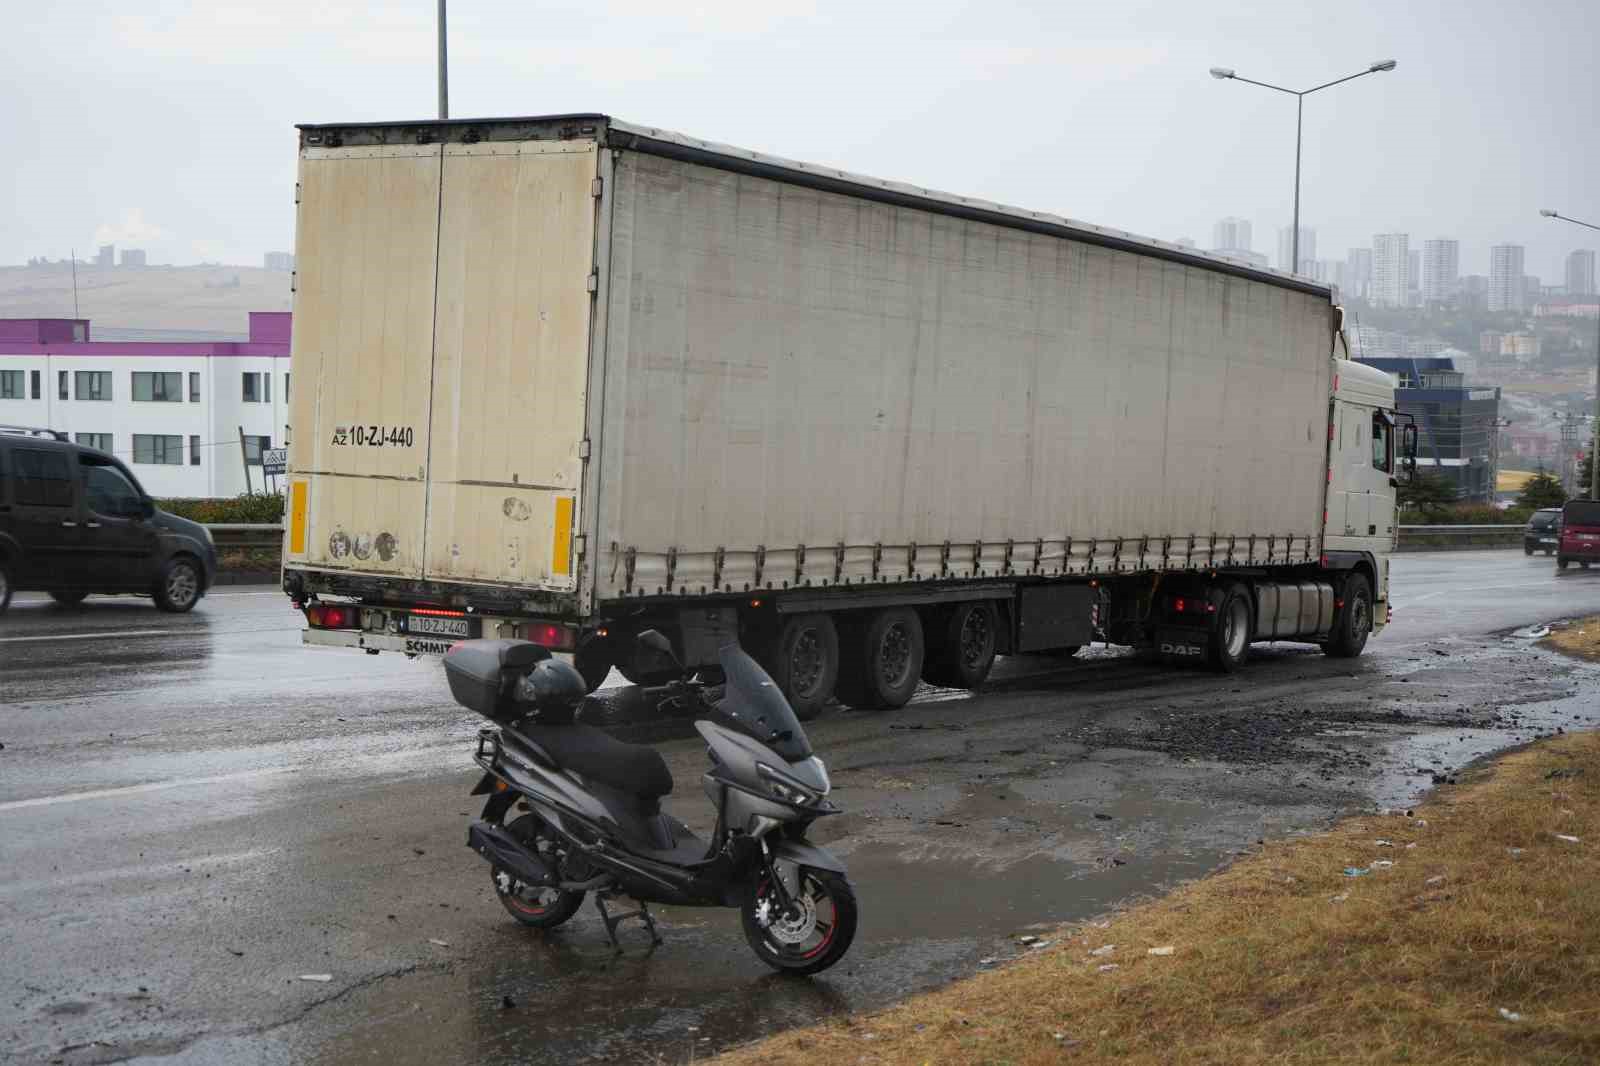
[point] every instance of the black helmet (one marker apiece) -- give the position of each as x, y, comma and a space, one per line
552, 689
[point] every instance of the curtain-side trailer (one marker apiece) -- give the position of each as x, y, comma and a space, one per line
567, 378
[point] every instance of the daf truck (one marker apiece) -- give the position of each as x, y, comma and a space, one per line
568, 378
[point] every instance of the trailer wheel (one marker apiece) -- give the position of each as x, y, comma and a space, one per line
960, 645
1229, 642
1352, 623
882, 659
805, 663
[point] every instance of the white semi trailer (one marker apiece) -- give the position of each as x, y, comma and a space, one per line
568, 378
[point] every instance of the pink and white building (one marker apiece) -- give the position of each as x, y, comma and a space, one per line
172, 411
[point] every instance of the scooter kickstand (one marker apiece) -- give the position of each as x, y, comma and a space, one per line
612, 921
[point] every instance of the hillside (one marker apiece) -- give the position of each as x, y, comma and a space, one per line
209, 299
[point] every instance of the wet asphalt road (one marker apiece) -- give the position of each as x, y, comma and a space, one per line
195, 811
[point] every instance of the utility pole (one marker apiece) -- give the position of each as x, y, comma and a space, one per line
444, 68
74, 254
1593, 487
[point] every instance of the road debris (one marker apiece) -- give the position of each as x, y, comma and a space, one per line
1164, 950
1435, 879
439, 943
1383, 843
320, 978
1108, 967
1382, 864
1569, 839
1037, 944
1356, 871
1103, 950
1340, 898
1510, 1015
1026, 938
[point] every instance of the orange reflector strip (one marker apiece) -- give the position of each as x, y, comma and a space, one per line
298, 491
561, 548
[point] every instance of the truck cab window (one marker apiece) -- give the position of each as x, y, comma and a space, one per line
1382, 443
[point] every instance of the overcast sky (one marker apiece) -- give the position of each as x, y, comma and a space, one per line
169, 125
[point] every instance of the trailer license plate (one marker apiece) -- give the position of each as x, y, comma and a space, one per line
439, 627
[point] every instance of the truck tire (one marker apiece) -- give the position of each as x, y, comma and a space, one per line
882, 658
1352, 623
960, 645
594, 660
1561, 563
804, 661
5, 585
1228, 644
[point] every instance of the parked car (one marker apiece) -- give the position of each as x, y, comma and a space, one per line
1543, 532
1580, 534
75, 521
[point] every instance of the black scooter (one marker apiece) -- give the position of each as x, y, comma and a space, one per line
595, 824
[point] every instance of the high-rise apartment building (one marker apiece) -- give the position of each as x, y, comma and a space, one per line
1580, 273
1231, 235
1441, 270
1391, 269
1506, 287
1308, 250
1358, 273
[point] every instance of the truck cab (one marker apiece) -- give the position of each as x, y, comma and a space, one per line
1365, 460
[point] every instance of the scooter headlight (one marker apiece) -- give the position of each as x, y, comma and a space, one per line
785, 788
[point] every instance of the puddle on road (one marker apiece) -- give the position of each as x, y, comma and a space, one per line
922, 924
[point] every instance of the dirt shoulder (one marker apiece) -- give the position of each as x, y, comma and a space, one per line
1580, 639
1465, 931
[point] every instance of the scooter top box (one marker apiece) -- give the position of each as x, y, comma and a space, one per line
483, 674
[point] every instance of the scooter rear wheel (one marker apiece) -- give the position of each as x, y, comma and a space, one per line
813, 935
533, 905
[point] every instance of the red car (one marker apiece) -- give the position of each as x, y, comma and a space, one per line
1580, 534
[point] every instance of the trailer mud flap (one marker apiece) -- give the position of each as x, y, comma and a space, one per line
1181, 645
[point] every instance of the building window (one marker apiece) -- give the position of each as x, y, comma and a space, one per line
194, 387
101, 441
253, 447
157, 388
11, 385
43, 478
194, 450
93, 384
286, 388
252, 387
158, 449
61, 384
36, 383
266, 387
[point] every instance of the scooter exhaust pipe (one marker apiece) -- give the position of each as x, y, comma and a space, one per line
504, 850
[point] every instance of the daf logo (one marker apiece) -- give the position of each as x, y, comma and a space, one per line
1181, 649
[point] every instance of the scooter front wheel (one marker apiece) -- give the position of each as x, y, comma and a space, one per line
536, 906
812, 933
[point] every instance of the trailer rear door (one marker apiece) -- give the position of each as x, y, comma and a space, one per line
510, 366
363, 350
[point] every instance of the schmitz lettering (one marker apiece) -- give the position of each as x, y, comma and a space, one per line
427, 647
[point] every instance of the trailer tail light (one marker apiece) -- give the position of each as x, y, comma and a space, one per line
333, 616
438, 612
559, 638
1192, 605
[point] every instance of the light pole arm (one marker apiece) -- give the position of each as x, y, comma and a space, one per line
1338, 81
1264, 85
1574, 221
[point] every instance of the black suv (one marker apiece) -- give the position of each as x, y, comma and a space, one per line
73, 520
1543, 532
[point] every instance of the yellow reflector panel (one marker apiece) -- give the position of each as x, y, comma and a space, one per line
561, 552
297, 517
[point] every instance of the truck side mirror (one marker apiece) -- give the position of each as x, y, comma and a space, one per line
1408, 449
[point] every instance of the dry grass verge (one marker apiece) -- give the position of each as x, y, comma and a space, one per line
1480, 944
1580, 638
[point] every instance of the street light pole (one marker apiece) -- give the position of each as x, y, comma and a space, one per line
1227, 74
444, 68
1594, 437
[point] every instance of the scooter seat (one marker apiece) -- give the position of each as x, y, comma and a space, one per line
637, 769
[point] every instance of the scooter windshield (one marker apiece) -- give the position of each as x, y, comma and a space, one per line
754, 705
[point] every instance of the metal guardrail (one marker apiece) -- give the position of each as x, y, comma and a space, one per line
1418, 538
266, 535
247, 535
